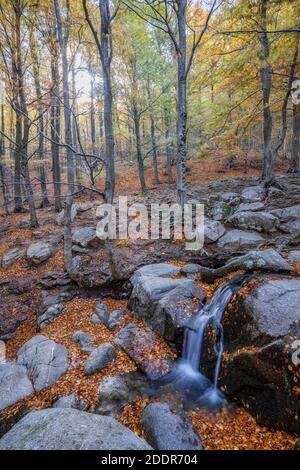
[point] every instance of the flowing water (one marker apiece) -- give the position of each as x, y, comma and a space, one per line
188, 372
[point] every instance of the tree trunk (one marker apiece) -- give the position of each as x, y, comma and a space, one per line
294, 168
169, 147
3, 180
154, 150
55, 131
266, 82
181, 103
137, 127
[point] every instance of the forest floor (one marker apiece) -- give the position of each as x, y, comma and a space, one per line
231, 428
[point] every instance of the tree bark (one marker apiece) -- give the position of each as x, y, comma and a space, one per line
266, 82
294, 168
55, 130
137, 128
168, 147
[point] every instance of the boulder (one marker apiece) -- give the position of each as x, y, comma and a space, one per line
68, 429
39, 252
294, 257
213, 230
11, 257
145, 349
116, 318
253, 194
250, 206
69, 401
100, 358
167, 429
262, 338
48, 316
287, 213
117, 391
251, 220
45, 360
14, 384
164, 303
86, 237
83, 339
292, 228
220, 210
102, 313
240, 241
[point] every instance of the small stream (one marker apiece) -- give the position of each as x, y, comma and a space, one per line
188, 374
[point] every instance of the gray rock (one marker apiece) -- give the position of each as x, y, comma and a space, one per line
164, 303
118, 390
249, 220
251, 206
95, 319
220, 211
60, 219
115, 319
12, 256
102, 313
68, 429
83, 339
138, 344
253, 194
69, 401
240, 240
230, 197
86, 237
48, 316
287, 213
39, 252
100, 358
213, 230
166, 429
293, 228
14, 384
46, 361
156, 270
191, 268
294, 257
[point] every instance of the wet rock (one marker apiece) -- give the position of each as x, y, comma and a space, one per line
164, 303
86, 237
168, 429
68, 429
100, 358
116, 318
14, 384
102, 313
250, 220
239, 241
213, 230
118, 390
45, 360
253, 194
11, 257
262, 336
39, 252
140, 344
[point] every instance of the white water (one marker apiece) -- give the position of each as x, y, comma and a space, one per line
188, 371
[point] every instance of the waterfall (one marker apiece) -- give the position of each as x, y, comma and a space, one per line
188, 372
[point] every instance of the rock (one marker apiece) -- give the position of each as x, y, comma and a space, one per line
221, 211
262, 338
86, 237
156, 270
39, 252
51, 313
68, 429
102, 313
69, 401
249, 220
239, 241
230, 197
60, 219
251, 206
14, 384
287, 213
116, 318
140, 345
191, 268
118, 390
293, 228
164, 303
264, 260
100, 358
166, 429
11, 257
297, 445
83, 339
46, 361
95, 319
294, 257
253, 194
213, 230
2, 352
